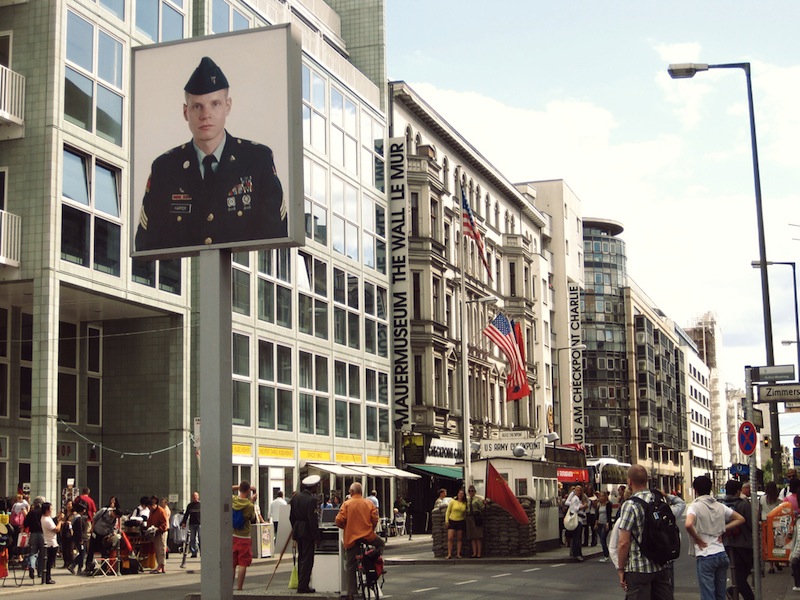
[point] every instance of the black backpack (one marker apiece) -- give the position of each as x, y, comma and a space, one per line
661, 538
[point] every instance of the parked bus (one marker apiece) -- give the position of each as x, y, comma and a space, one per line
607, 474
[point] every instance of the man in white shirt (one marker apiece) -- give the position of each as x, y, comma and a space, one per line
275, 509
706, 522
373, 497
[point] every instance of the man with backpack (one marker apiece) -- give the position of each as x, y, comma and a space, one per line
739, 541
642, 574
243, 514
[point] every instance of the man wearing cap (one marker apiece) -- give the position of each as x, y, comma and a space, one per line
305, 531
215, 189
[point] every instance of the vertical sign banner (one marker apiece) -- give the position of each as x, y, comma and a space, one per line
576, 365
402, 373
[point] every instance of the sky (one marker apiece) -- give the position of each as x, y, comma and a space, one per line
578, 90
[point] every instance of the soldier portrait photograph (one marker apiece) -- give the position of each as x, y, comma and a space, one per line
215, 188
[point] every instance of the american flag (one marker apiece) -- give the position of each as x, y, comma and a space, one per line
471, 230
502, 334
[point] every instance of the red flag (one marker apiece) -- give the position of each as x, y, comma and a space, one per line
517, 386
497, 489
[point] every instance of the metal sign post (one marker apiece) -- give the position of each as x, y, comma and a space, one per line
744, 443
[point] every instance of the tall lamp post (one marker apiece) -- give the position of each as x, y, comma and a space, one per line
579, 347
756, 265
688, 70
466, 426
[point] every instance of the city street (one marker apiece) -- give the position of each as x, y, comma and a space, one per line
420, 577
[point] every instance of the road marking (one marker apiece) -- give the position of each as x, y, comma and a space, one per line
531, 570
500, 575
466, 582
424, 590
555, 566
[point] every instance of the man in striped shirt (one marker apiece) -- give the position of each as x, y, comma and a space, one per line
639, 576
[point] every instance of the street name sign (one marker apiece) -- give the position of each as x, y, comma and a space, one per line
781, 392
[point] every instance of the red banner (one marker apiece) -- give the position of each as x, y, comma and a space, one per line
567, 475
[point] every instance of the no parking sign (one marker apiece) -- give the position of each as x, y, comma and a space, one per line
747, 438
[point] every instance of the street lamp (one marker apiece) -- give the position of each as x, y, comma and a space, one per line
756, 265
466, 426
560, 387
685, 71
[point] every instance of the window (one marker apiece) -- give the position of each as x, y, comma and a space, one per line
274, 386
312, 296
344, 126
372, 162
90, 220
240, 283
376, 395
316, 201
314, 100
167, 272
93, 80
240, 366
376, 328
161, 20
116, 7
346, 329
344, 222
225, 18
373, 223
348, 400
313, 399
274, 298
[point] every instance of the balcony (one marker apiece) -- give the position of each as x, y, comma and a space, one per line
12, 104
10, 242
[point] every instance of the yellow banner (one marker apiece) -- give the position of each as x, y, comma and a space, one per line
242, 450
275, 452
346, 457
315, 455
379, 460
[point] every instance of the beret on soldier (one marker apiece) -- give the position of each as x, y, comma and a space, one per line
206, 78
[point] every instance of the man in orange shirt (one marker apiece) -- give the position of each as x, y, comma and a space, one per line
358, 516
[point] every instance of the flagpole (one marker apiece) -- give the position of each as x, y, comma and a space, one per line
465, 408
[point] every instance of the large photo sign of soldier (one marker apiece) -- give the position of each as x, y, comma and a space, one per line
217, 144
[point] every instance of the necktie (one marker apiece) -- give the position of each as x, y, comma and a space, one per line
208, 170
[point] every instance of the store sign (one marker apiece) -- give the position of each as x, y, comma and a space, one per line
445, 452
566, 475
531, 448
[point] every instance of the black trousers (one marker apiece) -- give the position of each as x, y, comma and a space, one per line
742, 559
305, 563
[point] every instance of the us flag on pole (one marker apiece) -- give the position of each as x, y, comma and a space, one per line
471, 230
501, 333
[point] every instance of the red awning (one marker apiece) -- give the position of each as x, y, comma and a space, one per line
571, 475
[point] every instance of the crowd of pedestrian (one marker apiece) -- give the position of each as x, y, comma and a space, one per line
77, 531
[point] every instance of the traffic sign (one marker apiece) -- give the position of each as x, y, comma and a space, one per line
747, 438
796, 453
780, 392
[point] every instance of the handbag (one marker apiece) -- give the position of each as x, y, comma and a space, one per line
571, 521
23, 538
294, 579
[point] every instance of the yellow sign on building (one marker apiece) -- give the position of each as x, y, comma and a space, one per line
275, 452
314, 455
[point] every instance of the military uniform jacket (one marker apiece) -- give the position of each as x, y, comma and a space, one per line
243, 203
303, 517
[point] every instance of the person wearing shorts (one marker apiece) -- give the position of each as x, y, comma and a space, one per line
242, 552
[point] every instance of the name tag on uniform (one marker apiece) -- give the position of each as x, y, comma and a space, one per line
180, 204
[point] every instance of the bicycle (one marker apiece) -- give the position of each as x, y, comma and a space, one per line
369, 571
